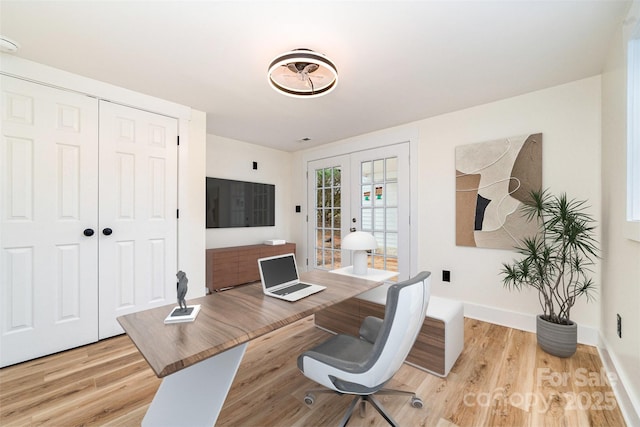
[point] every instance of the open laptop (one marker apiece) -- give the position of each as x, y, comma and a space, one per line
279, 276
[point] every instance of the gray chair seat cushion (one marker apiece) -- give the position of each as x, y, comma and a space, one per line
341, 351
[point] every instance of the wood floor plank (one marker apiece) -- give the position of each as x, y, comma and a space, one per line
110, 384
41, 365
99, 406
478, 373
38, 402
93, 366
508, 402
132, 418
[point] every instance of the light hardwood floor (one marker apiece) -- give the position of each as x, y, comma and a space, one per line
501, 379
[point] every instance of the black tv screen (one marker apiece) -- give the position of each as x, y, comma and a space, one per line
239, 204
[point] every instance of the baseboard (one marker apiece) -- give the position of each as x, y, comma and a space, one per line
629, 403
524, 322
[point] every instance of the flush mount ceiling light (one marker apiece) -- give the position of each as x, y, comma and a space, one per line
302, 73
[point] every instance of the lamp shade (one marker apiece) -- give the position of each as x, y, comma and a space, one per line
359, 241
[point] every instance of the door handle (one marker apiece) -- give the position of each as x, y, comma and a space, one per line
107, 231
352, 229
88, 232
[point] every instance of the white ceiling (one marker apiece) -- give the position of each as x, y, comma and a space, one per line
398, 61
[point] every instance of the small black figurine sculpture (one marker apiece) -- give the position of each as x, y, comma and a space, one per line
181, 288
182, 313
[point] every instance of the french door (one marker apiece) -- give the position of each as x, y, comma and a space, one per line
327, 205
365, 191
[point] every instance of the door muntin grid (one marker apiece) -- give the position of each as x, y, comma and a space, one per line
379, 210
328, 217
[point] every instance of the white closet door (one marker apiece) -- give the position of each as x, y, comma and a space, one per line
138, 204
48, 182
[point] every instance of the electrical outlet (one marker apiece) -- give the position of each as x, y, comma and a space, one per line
619, 325
446, 276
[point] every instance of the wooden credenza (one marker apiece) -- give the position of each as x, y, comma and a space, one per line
237, 265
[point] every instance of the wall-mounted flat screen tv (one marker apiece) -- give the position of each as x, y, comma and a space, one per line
239, 204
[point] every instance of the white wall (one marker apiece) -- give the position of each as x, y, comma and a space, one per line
621, 258
569, 118
232, 159
191, 170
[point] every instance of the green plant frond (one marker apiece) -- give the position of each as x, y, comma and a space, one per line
557, 260
513, 281
580, 264
535, 206
586, 288
531, 245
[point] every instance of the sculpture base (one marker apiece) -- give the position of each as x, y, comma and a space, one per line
179, 315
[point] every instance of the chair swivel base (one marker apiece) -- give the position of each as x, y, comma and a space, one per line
416, 402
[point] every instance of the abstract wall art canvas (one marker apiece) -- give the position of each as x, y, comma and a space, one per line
493, 180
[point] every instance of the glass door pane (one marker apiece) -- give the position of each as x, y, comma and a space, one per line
328, 213
379, 209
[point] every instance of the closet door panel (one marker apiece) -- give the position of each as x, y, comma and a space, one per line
48, 198
138, 203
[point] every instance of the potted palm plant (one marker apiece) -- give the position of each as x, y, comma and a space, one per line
557, 263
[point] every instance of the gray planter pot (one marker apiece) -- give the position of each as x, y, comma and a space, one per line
557, 340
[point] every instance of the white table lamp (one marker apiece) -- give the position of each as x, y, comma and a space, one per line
359, 242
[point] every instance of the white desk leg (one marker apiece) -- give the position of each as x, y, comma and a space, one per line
194, 396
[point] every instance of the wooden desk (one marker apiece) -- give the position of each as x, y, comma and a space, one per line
212, 347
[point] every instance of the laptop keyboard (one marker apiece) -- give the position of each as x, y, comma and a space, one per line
290, 289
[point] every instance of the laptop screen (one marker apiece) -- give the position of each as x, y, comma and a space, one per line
279, 270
